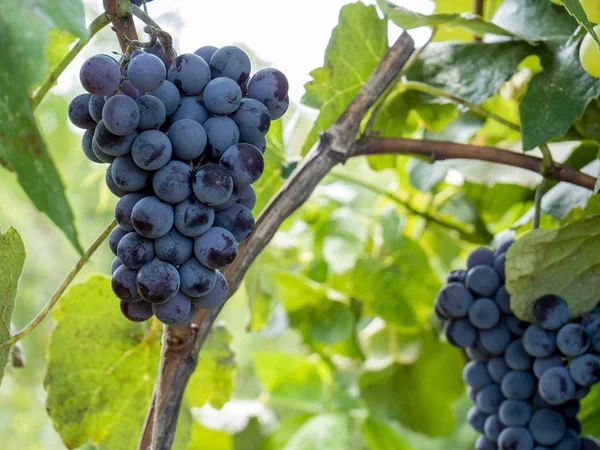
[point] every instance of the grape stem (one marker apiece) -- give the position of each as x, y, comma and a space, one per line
547, 164
100, 22
65, 284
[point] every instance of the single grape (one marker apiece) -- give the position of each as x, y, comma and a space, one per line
260, 143
497, 368
196, 279
206, 52
247, 197
151, 150
221, 132
499, 266
551, 312
245, 164
189, 318
482, 280
477, 419
460, 333
229, 202
592, 326
124, 284
455, 300
127, 89
538, 342
269, 86
515, 413
191, 108
573, 340
483, 443
158, 281
158, 51
213, 185
115, 265
516, 326
173, 182
481, 256
146, 72
483, 313
516, 357
217, 248
79, 112
110, 143
123, 210
476, 375
127, 175
495, 340
556, 386
472, 393
279, 108
100, 75
152, 112
253, 120
86, 145
239, 221
134, 250
174, 248
137, 312
222, 96
192, 218
175, 310
188, 139
216, 297
168, 94
502, 299
493, 427
581, 392
152, 218
121, 115
518, 385
112, 187
515, 438
541, 365
570, 441
95, 107
231, 62
115, 237
585, 369
589, 443
547, 426
189, 73
490, 398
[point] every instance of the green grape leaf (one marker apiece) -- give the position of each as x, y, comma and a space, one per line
325, 431
403, 392
272, 178
590, 413
12, 258
286, 428
219, 439
548, 109
456, 67
576, 10
407, 19
382, 436
560, 261
261, 291
356, 46
22, 148
535, 19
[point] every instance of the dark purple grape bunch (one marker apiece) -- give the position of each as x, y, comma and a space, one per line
526, 380
184, 142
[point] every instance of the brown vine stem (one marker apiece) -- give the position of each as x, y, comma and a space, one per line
180, 355
478, 8
122, 22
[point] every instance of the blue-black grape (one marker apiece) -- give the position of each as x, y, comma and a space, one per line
115, 265
515, 438
174, 248
493, 427
556, 386
247, 197
551, 312
100, 75
231, 62
484, 313
137, 312
245, 164
454, 300
570, 441
516, 326
134, 250
476, 375
115, 237
222, 132
490, 398
123, 210
152, 112
547, 426
481, 256
127, 175
206, 52
518, 385
483, 443
515, 413
173, 182
541, 365
477, 419
191, 108
213, 185
79, 112
472, 393
516, 357
269, 86
168, 94
585, 369
110, 143
230, 201
151, 150
110, 183
538, 342
222, 96
146, 72
158, 281
589, 443
189, 317
216, 297
502, 299
457, 276
158, 51
592, 326
483, 280
95, 107
217, 248
495, 340
497, 368
279, 108
121, 115
573, 340
260, 143
124, 284
152, 218
86, 145
175, 310
237, 219
193, 218
499, 266
196, 279
188, 139
460, 333
189, 73
253, 120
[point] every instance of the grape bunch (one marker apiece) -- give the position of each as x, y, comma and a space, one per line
526, 380
184, 141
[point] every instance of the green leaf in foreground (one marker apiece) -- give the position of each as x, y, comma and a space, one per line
356, 46
381, 436
590, 412
576, 10
12, 258
408, 20
561, 261
326, 431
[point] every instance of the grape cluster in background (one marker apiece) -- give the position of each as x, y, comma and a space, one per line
184, 141
526, 380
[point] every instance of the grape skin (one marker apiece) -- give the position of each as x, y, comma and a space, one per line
189, 73
222, 96
115, 265
213, 185
585, 370
152, 218
137, 312
516, 357
253, 120
477, 419
481, 256
151, 150
497, 368
95, 107
573, 340
86, 145
110, 183
206, 52
556, 386
493, 427
127, 175
484, 313
121, 115
79, 112
173, 182
100, 75
482, 443
216, 297
231, 62
547, 426
245, 164
551, 312
247, 197
269, 86
483, 280
152, 112
237, 219
115, 237
515, 438
538, 342
124, 284
110, 143
460, 333
188, 139
146, 72
168, 94
495, 340
175, 310
489, 399
135, 250
222, 132
196, 279
158, 282
515, 413
191, 108
541, 365
174, 247
192, 218
217, 248
476, 375
123, 210
518, 385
